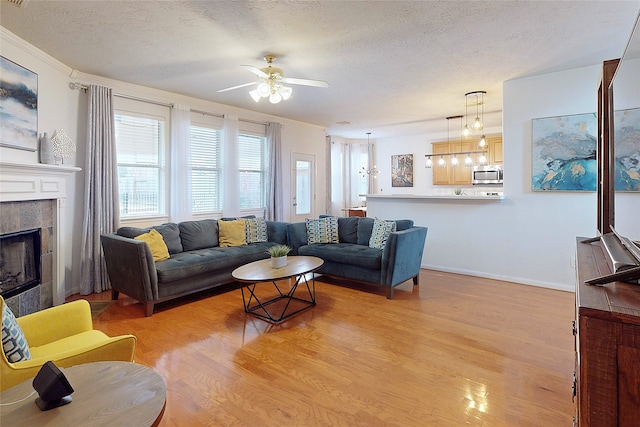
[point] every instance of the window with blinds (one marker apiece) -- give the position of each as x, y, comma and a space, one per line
253, 163
140, 146
205, 169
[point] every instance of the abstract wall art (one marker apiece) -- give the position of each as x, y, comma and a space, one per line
564, 153
402, 170
18, 106
626, 151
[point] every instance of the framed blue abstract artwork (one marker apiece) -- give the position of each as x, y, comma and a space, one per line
18, 106
626, 124
564, 153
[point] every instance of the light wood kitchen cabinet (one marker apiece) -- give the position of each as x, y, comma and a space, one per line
494, 145
447, 174
461, 174
440, 174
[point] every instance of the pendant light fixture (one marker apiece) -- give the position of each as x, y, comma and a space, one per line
468, 160
478, 122
466, 132
373, 171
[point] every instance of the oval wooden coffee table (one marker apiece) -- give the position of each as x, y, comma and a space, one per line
282, 303
105, 394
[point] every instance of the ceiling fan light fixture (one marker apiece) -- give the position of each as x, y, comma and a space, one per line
264, 90
285, 92
255, 95
275, 97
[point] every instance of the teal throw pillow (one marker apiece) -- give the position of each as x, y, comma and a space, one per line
255, 230
323, 230
380, 233
14, 343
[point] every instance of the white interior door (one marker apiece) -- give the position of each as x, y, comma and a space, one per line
303, 191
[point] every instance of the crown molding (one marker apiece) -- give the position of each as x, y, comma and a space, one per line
8, 37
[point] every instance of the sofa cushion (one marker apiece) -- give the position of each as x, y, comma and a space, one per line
348, 229
322, 230
170, 234
198, 234
345, 253
380, 233
14, 343
232, 233
205, 261
255, 230
365, 227
158, 248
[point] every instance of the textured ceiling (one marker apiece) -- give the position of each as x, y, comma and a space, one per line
394, 67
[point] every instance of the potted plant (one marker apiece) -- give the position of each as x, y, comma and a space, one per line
278, 255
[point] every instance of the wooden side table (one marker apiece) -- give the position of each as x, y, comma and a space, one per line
105, 394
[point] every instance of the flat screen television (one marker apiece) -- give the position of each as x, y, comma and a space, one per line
624, 137
621, 239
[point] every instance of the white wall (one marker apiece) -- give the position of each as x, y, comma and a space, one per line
530, 236
61, 107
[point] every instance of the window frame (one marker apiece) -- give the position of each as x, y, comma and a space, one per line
141, 109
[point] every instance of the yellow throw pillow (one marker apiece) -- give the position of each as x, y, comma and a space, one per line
156, 244
232, 233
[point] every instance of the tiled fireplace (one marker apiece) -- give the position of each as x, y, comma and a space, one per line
32, 200
26, 294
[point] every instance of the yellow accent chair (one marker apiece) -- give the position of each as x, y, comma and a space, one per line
63, 334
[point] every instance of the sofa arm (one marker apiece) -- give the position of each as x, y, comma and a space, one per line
55, 323
130, 266
402, 255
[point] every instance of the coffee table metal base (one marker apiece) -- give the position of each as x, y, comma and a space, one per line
280, 312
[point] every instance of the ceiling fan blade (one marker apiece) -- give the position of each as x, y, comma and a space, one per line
257, 71
305, 82
237, 87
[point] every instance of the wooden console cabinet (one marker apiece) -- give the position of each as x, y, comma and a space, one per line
607, 343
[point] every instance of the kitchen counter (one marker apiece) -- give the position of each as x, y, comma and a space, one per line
437, 197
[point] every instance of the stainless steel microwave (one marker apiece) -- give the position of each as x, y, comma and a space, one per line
487, 175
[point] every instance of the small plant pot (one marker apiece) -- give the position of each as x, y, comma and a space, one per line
279, 262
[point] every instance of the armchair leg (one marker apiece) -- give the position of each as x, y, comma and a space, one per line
416, 280
114, 294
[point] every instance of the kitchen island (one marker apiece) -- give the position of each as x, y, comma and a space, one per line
436, 197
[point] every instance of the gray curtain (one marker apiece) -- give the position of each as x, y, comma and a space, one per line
101, 210
275, 206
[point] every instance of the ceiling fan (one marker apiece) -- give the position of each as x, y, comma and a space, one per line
270, 82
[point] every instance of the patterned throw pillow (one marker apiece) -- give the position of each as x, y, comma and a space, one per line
323, 230
380, 233
256, 230
14, 343
154, 239
232, 233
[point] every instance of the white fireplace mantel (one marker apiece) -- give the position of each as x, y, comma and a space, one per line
23, 182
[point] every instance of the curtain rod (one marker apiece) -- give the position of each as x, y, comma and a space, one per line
80, 86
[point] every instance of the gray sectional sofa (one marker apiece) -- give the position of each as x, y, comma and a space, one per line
197, 262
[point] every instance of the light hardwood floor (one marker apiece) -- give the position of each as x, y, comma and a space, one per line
454, 351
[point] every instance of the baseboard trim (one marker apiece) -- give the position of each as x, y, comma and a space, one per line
518, 280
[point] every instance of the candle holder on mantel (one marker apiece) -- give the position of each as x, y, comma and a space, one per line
63, 146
